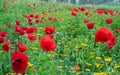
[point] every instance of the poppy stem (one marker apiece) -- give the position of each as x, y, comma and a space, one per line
9, 61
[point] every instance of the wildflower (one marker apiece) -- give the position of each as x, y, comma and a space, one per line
98, 58
31, 36
109, 59
109, 20
17, 22
76, 67
99, 73
90, 25
29, 64
19, 62
6, 47
117, 66
47, 44
59, 67
49, 30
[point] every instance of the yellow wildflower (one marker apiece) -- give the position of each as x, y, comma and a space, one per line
91, 53
59, 67
82, 44
109, 59
99, 73
61, 60
97, 65
91, 57
19, 74
89, 64
98, 58
117, 66
35, 48
29, 64
88, 70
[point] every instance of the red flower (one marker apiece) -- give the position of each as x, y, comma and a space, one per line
76, 67
22, 48
86, 20
47, 44
17, 22
111, 42
70, 9
86, 13
76, 10
31, 15
30, 23
6, 47
9, 25
29, 19
24, 27
73, 13
3, 33
90, 25
49, 30
36, 16
103, 35
2, 39
117, 30
31, 37
109, 20
37, 20
82, 9
19, 62
17, 28
40, 20
21, 32
30, 30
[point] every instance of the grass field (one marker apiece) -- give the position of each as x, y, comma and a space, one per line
77, 51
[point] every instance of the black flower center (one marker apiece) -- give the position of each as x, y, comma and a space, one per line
18, 60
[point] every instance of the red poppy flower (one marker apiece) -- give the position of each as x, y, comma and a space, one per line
30, 23
37, 20
76, 10
31, 37
19, 62
70, 9
6, 47
3, 33
109, 20
24, 27
9, 25
2, 39
82, 9
30, 30
17, 22
47, 44
103, 35
40, 20
17, 28
50, 18
22, 48
86, 20
76, 67
29, 19
21, 32
117, 30
49, 30
111, 42
36, 16
86, 13
90, 25
73, 13
31, 15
